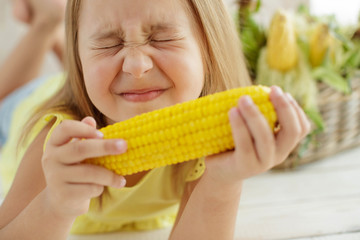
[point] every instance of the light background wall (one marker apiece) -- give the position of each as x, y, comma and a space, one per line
347, 11
268, 7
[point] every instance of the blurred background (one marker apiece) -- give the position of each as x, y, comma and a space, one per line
311, 48
11, 32
346, 11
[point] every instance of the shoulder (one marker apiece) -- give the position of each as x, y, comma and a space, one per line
30, 165
39, 134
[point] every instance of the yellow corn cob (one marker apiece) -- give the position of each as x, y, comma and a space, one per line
282, 52
181, 132
321, 41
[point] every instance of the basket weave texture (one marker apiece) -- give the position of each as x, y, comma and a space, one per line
341, 115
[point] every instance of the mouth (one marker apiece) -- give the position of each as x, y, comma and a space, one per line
142, 95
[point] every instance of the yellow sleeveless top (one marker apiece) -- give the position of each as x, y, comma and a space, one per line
152, 203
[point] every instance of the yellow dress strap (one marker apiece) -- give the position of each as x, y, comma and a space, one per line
59, 117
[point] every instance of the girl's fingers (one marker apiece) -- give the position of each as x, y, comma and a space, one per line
92, 174
304, 122
89, 121
69, 129
291, 128
74, 141
78, 150
241, 135
75, 198
259, 128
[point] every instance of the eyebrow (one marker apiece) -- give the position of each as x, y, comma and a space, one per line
108, 33
164, 27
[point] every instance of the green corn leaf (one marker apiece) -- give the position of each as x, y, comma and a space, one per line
332, 78
315, 116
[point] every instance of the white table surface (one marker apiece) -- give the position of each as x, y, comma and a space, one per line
318, 201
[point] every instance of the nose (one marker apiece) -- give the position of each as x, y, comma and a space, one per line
136, 62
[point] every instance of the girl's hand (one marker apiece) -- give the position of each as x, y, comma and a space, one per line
257, 149
70, 183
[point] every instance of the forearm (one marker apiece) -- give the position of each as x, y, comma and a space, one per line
210, 212
25, 62
37, 221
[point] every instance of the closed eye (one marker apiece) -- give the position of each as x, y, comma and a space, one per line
113, 46
106, 45
162, 40
107, 50
165, 40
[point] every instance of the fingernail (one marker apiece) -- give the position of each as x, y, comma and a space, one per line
247, 101
120, 182
123, 182
120, 145
99, 134
277, 90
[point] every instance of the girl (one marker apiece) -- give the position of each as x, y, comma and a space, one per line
126, 58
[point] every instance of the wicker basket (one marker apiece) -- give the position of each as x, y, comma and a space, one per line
341, 115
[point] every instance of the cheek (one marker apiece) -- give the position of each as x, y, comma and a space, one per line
98, 75
186, 70
192, 76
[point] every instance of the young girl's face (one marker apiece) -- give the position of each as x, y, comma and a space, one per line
138, 55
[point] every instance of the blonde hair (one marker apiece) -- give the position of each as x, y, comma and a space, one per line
224, 62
